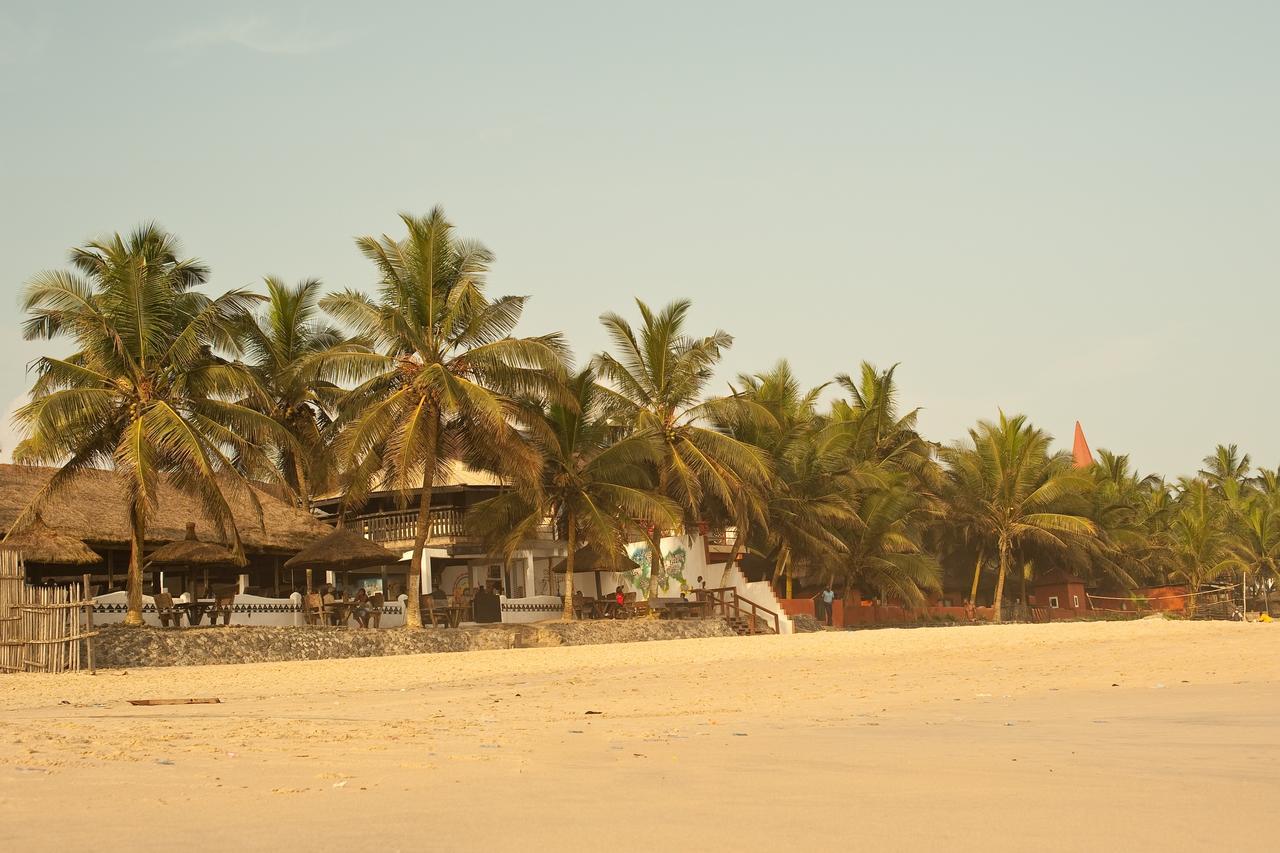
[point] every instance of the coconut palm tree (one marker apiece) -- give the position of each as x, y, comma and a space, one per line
1198, 539
810, 497
441, 376
882, 434
285, 346
885, 551
1255, 537
656, 379
597, 481
1008, 485
1227, 471
143, 392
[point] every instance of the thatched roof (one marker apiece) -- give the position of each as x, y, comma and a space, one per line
457, 476
589, 559
93, 509
342, 549
40, 543
190, 551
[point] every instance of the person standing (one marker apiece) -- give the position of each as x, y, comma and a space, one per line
828, 601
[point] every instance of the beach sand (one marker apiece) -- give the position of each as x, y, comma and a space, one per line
1148, 735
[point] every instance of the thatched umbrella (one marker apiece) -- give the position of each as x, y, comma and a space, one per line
190, 552
341, 550
40, 543
591, 559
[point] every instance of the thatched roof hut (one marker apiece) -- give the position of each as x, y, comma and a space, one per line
92, 508
40, 543
455, 477
591, 559
341, 550
190, 551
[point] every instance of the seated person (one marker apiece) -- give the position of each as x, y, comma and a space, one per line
361, 607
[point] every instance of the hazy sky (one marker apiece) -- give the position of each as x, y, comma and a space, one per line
1067, 209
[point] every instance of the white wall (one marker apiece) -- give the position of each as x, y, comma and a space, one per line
245, 610
686, 557
534, 608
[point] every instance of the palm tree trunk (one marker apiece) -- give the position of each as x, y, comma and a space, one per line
786, 557
133, 583
656, 564
572, 524
413, 608
304, 488
739, 538
977, 573
1004, 565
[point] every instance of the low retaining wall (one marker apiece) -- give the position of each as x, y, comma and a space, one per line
118, 647
248, 610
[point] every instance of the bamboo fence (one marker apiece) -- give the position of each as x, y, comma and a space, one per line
43, 628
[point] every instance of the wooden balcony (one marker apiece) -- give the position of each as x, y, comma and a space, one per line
402, 525
723, 537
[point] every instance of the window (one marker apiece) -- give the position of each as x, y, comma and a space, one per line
1075, 601
1053, 602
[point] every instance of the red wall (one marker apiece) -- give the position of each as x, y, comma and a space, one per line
1165, 597
880, 614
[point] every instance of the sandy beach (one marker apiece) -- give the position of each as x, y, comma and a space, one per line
1149, 735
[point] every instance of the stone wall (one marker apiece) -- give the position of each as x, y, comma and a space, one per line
118, 647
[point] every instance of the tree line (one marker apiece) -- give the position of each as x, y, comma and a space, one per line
356, 391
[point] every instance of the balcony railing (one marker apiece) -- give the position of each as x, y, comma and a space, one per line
402, 526
723, 536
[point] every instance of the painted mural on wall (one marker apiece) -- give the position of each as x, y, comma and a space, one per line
673, 570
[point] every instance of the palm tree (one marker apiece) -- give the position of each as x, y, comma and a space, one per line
885, 551
1011, 487
143, 392
1255, 537
883, 435
1226, 470
440, 379
285, 346
802, 508
656, 382
1198, 538
597, 482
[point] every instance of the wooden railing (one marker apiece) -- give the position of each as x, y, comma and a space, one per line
728, 603
402, 526
723, 536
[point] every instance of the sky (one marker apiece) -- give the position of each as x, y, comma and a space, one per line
1070, 210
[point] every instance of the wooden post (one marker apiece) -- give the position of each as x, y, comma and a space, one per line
88, 627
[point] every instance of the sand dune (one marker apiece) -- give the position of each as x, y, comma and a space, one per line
1133, 736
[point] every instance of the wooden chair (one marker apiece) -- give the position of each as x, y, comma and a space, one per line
222, 602
313, 609
170, 616
375, 610
434, 609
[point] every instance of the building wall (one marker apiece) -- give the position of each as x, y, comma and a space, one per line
1070, 595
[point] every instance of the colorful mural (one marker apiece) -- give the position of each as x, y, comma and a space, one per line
673, 565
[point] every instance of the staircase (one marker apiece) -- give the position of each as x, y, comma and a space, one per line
761, 595
742, 614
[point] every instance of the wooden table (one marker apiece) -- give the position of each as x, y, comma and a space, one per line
338, 612
194, 610
604, 608
687, 609
452, 614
